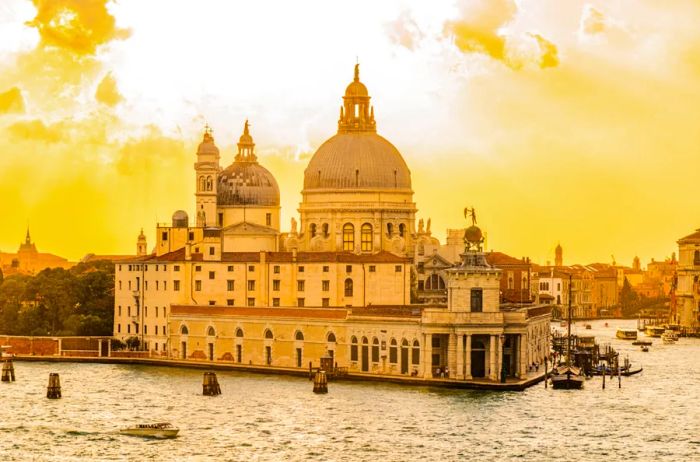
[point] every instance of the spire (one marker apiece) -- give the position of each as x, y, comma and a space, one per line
28, 239
356, 114
246, 146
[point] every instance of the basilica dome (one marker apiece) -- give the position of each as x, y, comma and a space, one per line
356, 157
357, 160
245, 182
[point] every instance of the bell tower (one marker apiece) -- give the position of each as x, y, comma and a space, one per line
141, 247
206, 170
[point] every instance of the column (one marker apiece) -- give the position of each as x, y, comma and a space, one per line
460, 357
522, 355
452, 355
499, 357
492, 357
427, 356
468, 358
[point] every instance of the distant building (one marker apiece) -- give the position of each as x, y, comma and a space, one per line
28, 260
686, 307
558, 256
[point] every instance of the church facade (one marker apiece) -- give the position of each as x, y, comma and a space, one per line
231, 286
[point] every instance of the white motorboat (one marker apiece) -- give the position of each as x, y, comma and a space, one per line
154, 430
669, 337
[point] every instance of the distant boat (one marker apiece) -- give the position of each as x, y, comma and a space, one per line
669, 337
626, 334
654, 331
154, 430
642, 342
566, 377
588, 326
645, 348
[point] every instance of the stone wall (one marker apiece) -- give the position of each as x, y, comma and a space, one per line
39, 346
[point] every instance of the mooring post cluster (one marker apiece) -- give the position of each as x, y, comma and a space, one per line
8, 371
53, 391
210, 384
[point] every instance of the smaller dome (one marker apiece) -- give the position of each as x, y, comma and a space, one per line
207, 145
356, 88
180, 219
473, 234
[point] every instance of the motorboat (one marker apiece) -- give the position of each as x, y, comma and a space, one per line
669, 337
567, 377
642, 342
588, 326
153, 430
645, 348
654, 331
626, 334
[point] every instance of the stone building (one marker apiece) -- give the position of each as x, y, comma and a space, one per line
686, 305
231, 286
28, 260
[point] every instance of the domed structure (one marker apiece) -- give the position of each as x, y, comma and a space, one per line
357, 192
245, 182
180, 219
473, 235
357, 160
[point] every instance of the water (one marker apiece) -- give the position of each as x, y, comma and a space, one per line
654, 416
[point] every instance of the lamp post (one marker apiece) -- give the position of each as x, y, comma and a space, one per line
503, 355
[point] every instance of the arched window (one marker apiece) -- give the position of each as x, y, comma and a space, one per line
268, 333
402, 229
393, 352
324, 227
183, 330
239, 332
389, 229
202, 183
312, 229
331, 337
366, 237
210, 184
353, 348
696, 259
211, 332
299, 336
348, 237
434, 282
375, 350
415, 359
348, 287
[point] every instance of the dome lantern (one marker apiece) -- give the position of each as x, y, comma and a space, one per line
246, 146
356, 114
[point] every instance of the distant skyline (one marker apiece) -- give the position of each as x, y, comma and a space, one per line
560, 122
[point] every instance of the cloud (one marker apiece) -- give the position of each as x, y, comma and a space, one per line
549, 55
107, 91
11, 101
404, 31
478, 29
79, 26
35, 130
592, 21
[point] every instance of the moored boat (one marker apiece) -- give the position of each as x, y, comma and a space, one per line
566, 377
626, 334
669, 337
642, 342
588, 326
654, 331
645, 348
154, 430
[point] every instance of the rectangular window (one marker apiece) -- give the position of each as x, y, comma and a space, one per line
145, 330
120, 285
119, 327
348, 268
198, 268
156, 313
276, 269
229, 302
251, 301
421, 267
198, 285
477, 298
230, 268
129, 285
268, 219
165, 285
190, 236
325, 302
128, 311
300, 302
120, 310
221, 219
275, 302
176, 286
212, 302
164, 235
128, 328
372, 269
375, 353
212, 274
156, 343
301, 269
156, 267
145, 285
156, 333
145, 311
436, 341
275, 284
136, 328
353, 352
300, 286
176, 268
211, 250
325, 286
251, 284
229, 285
326, 269
421, 285
251, 268
157, 283
397, 268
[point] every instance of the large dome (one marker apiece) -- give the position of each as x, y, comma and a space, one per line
359, 160
247, 183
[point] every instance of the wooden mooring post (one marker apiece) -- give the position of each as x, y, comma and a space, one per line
545, 371
53, 391
320, 382
8, 371
210, 385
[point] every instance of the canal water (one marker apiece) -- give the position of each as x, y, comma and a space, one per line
654, 416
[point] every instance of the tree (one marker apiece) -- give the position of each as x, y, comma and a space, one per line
2, 277
628, 299
11, 298
133, 343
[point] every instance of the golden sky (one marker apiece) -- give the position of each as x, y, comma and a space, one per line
560, 121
